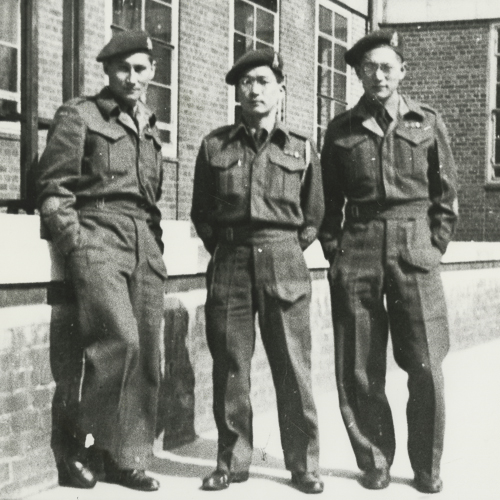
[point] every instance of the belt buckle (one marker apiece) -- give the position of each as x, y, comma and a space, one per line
355, 211
229, 234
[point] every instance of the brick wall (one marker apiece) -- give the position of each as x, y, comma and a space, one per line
448, 69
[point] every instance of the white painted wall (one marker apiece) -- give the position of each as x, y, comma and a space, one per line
414, 11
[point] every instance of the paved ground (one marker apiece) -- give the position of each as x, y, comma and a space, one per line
470, 467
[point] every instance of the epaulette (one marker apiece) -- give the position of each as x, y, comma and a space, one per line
296, 134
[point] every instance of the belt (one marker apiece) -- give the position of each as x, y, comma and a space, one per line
135, 208
373, 210
252, 234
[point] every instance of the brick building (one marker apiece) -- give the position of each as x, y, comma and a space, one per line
48, 51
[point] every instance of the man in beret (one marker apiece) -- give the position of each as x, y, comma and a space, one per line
100, 180
390, 212
257, 204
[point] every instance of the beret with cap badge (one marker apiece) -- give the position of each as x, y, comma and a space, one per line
389, 38
126, 42
253, 59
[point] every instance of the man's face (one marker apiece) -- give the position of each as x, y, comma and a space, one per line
381, 71
129, 76
259, 92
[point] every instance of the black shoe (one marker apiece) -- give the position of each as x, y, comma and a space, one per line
74, 473
132, 478
376, 479
220, 480
425, 483
308, 482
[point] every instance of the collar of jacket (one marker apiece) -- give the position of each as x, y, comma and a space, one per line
279, 132
362, 111
108, 105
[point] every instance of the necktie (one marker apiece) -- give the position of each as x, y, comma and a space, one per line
260, 137
383, 119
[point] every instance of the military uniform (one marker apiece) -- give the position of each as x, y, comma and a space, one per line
256, 208
100, 179
390, 211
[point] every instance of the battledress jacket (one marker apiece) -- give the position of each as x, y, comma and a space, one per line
412, 163
94, 152
279, 185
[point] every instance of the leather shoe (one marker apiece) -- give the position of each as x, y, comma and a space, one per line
307, 482
220, 480
425, 483
376, 479
74, 473
136, 479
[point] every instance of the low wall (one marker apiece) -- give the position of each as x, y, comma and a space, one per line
28, 279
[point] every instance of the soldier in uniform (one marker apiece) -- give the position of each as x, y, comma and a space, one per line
100, 179
257, 204
390, 211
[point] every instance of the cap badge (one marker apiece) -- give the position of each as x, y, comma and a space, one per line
394, 40
276, 63
149, 44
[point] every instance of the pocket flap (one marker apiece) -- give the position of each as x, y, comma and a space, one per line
289, 291
424, 259
350, 142
414, 135
290, 160
108, 130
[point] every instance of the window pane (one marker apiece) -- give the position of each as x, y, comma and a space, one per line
9, 12
159, 102
159, 21
163, 57
265, 26
325, 51
8, 110
260, 46
268, 4
165, 136
498, 97
340, 27
339, 61
339, 86
324, 114
325, 20
127, 13
319, 137
324, 81
241, 45
8, 63
243, 17
339, 108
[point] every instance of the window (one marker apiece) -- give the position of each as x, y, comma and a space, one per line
494, 173
333, 76
160, 19
255, 26
9, 60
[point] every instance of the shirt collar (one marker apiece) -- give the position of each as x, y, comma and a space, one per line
279, 132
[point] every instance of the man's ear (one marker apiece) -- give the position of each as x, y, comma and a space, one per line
153, 67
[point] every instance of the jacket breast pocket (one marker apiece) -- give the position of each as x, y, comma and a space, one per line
284, 176
411, 149
359, 158
108, 151
228, 174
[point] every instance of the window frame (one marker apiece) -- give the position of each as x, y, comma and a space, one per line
13, 127
494, 89
276, 45
334, 8
170, 150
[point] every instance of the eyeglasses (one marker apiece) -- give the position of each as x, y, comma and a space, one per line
247, 82
369, 68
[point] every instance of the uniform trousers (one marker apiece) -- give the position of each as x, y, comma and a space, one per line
118, 274
265, 275
385, 277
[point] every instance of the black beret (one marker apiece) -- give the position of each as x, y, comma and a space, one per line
374, 39
253, 59
126, 42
